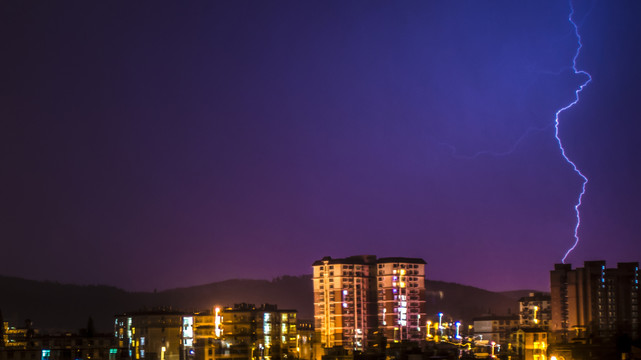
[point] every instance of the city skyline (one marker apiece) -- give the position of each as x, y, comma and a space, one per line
154, 147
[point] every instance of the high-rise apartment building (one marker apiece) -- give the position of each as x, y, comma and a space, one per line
344, 301
594, 301
357, 296
401, 298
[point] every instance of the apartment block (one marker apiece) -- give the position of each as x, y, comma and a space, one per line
401, 298
535, 311
244, 331
150, 334
200, 333
359, 300
344, 301
495, 328
594, 302
531, 343
265, 332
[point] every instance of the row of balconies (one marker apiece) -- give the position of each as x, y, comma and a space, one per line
387, 300
343, 266
339, 279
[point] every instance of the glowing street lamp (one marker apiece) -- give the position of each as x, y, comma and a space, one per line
493, 344
429, 325
458, 325
440, 323
536, 320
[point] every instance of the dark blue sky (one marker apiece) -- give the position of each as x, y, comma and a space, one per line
154, 145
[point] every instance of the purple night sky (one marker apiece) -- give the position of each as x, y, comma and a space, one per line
155, 145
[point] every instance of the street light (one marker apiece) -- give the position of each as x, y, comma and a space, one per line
440, 323
429, 325
458, 325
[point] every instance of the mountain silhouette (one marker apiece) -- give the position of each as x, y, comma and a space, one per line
64, 307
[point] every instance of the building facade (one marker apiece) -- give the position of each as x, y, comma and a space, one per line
359, 300
344, 301
199, 336
249, 332
594, 302
150, 334
535, 311
401, 298
28, 343
244, 331
531, 344
495, 328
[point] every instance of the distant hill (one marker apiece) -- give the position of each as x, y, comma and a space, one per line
463, 302
54, 306
517, 294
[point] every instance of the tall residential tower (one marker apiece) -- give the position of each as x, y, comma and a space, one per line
344, 302
359, 297
401, 298
594, 301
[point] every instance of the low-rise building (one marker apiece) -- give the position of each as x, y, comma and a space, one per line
28, 343
17, 337
306, 344
534, 311
266, 332
243, 331
199, 336
495, 328
150, 334
531, 343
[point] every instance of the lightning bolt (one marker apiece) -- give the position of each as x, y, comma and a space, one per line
558, 138
556, 123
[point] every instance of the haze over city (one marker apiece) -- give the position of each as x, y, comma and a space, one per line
158, 145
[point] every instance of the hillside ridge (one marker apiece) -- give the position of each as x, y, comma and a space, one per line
55, 306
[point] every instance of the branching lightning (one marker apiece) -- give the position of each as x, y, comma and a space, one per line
556, 131
509, 151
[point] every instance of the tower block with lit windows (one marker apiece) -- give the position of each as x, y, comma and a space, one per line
595, 302
360, 297
345, 301
401, 298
